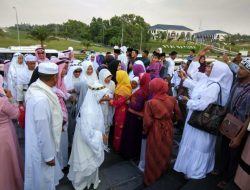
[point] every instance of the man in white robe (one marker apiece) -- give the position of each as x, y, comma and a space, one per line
42, 131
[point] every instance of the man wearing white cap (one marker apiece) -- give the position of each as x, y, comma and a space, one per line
43, 129
23, 77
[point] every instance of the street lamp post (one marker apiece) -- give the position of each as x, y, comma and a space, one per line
17, 27
122, 36
103, 33
141, 39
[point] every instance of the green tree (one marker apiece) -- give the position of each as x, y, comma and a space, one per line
162, 35
86, 44
182, 36
97, 29
76, 30
2, 32
40, 33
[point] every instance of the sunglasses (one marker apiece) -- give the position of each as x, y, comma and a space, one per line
79, 71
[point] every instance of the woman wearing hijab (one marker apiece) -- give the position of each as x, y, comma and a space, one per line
89, 72
73, 76
158, 126
203, 64
11, 173
123, 92
89, 140
137, 68
155, 66
132, 132
196, 157
81, 89
93, 59
105, 78
113, 68
17, 66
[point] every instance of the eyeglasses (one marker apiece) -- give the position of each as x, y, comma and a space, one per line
77, 71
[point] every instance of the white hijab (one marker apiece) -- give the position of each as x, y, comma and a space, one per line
93, 124
91, 79
222, 74
95, 64
15, 70
103, 74
136, 79
70, 79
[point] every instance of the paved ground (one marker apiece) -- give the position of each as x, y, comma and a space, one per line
119, 174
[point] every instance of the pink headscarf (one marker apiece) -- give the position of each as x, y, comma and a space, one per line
37, 56
62, 92
60, 82
1, 85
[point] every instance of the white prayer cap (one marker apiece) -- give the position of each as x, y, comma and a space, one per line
30, 58
116, 47
48, 68
71, 49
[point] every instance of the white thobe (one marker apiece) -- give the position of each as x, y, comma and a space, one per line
123, 58
40, 146
23, 79
171, 65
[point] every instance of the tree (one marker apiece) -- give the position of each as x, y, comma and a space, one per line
1, 32
114, 41
40, 33
182, 36
162, 35
76, 30
97, 29
86, 43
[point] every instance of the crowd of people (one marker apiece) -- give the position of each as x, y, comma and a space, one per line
70, 111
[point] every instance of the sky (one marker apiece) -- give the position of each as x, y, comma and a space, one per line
232, 16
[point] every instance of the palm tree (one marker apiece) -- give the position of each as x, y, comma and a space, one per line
40, 33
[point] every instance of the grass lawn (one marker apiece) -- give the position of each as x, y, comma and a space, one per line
183, 48
10, 39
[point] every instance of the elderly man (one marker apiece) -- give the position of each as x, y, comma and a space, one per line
44, 120
41, 55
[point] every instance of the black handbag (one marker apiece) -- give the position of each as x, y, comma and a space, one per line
210, 119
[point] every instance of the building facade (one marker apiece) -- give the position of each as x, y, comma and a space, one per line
210, 36
171, 32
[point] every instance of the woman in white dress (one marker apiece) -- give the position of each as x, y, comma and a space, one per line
17, 66
89, 72
88, 145
74, 75
196, 155
105, 78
